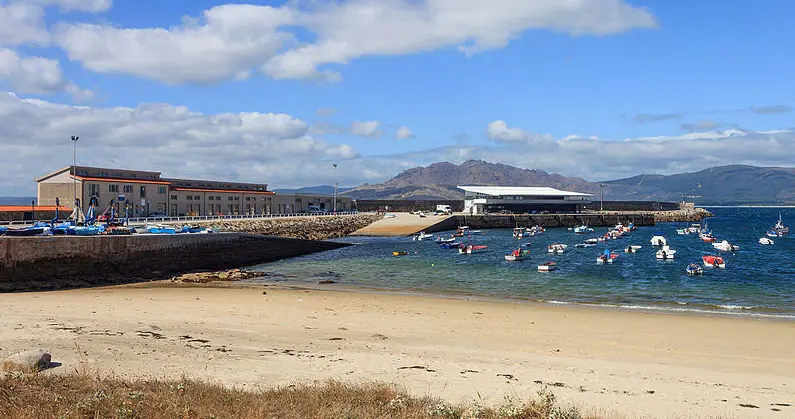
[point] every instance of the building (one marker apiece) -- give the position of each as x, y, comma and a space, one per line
521, 200
143, 193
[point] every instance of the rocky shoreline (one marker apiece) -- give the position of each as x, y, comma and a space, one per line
306, 228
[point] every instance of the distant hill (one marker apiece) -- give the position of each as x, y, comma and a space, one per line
718, 185
734, 184
16, 200
320, 190
439, 181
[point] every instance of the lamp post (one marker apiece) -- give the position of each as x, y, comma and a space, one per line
74, 167
334, 205
601, 197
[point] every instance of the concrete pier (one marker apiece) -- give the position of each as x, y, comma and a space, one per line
55, 262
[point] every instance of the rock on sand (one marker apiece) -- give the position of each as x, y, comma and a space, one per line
28, 361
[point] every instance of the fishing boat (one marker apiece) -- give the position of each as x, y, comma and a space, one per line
659, 240
535, 230
518, 232
725, 246
713, 261
517, 255
469, 249
694, 229
443, 241
665, 253
582, 229
708, 238
765, 241
607, 257
632, 249
547, 267
557, 248
119, 231
400, 253
421, 236
29, 231
780, 228
694, 269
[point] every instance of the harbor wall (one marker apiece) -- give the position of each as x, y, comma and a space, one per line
308, 228
57, 262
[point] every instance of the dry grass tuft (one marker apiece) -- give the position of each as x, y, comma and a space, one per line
84, 396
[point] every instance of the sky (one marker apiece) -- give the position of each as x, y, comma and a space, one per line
280, 91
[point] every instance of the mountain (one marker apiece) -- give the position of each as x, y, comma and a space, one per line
320, 190
734, 184
439, 181
726, 185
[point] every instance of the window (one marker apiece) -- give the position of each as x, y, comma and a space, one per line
237, 198
113, 188
217, 198
127, 188
190, 197
161, 190
211, 198
229, 198
248, 198
93, 189
143, 192
197, 198
174, 197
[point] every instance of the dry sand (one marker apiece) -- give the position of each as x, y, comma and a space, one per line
633, 363
402, 224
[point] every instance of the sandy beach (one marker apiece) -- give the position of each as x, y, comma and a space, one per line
632, 364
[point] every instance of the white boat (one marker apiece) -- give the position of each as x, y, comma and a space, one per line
666, 253
681, 231
557, 248
607, 257
591, 241
535, 230
659, 241
765, 240
632, 249
547, 267
694, 269
469, 249
422, 236
582, 229
517, 255
725, 246
584, 245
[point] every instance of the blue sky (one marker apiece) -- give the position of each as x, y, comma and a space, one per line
559, 88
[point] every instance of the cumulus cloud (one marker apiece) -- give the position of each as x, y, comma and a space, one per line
22, 23
229, 41
36, 75
367, 129
499, 131
269, 147
404, 133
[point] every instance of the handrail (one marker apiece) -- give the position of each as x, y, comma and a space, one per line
148, 220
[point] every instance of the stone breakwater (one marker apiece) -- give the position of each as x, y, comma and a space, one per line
56, 262
306, 228
692, 215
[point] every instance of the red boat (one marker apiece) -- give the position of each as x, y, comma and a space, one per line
713, 261
708, 238
471, 249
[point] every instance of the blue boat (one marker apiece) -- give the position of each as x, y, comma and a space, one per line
451, 245
87, 230
3, 230
162, 230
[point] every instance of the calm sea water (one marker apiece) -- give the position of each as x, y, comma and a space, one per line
758, 280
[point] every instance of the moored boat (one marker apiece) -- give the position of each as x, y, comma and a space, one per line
694, 269
28, 231
632, 249
400, 253
658, 240
665, 253
422, 236
517, 255
780, 228
607, 257
725, 246
535, 230
557, 248
450, 245
518, 232
765, 241
162, 230
469, 249
582, 229
713, 261
584, 245
547, 267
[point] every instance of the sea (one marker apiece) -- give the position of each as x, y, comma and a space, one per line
759, 280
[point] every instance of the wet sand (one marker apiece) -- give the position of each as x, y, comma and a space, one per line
634, 364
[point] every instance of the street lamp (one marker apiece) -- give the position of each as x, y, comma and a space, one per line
601, 197
74, 167
335, 188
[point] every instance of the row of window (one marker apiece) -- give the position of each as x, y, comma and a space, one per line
113, 188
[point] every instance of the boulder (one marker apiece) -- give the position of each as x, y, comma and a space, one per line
28, 361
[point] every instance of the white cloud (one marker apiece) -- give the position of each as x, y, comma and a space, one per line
500, 132
36, 75
268, 147
404, 133
231, 40
22, 23
367, 129
227, 42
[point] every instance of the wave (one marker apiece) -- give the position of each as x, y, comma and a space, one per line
727, 309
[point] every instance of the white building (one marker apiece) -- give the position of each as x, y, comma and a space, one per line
521, 200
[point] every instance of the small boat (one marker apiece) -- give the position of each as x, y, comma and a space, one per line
443, 241
772, 234
547, 267
28, 231
3, 230
517, 255
582, 229
632, 249
707, 237
400, 253
725, 246
557, 248
780, 228
422, 236
694, 269
119, 231
195, 230
469, 249
765, 240
682, 231
535, 230
518, 232
87, 230
450, 245
607, 257
584, 245
658, 240
591, 241
665, 253
694, 228
713, 261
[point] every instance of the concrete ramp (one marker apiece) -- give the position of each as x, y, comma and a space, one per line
405, 224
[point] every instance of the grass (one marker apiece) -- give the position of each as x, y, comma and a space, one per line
84, 396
